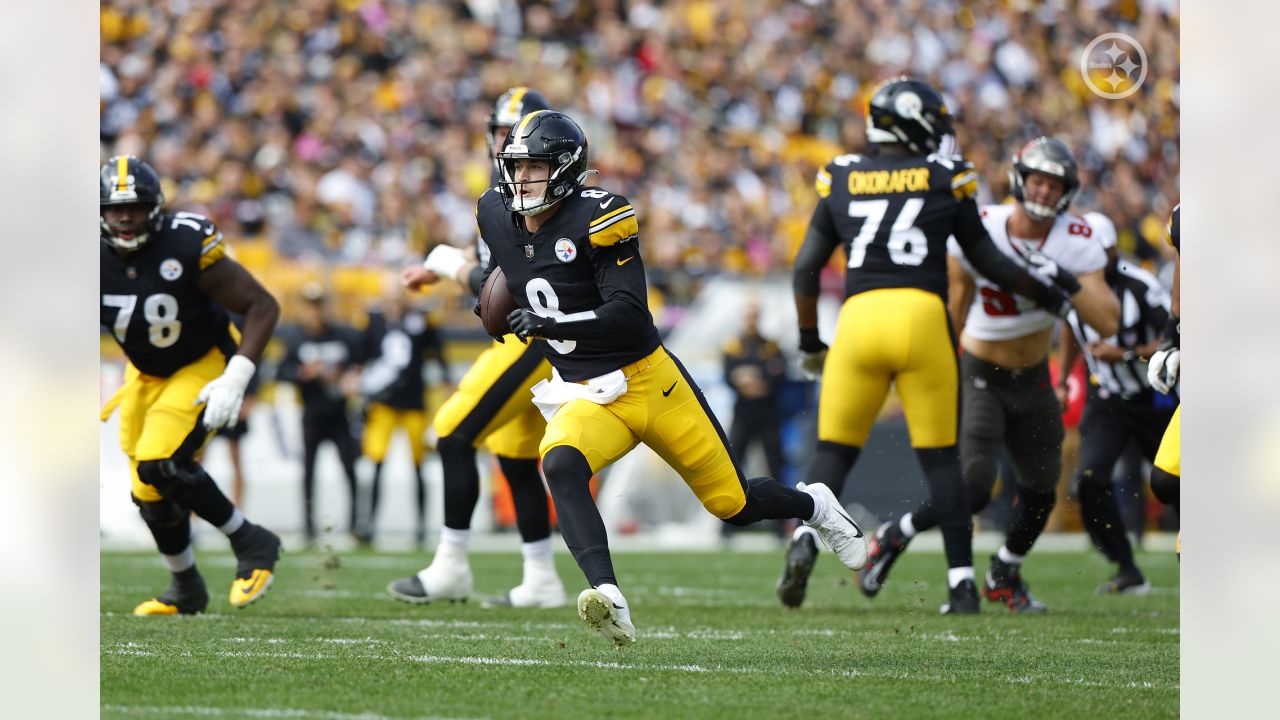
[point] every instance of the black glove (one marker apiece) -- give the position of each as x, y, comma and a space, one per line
1049, 270
525, 324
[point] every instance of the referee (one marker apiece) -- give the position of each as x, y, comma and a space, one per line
1121, 405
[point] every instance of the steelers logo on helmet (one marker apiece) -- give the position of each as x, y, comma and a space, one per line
908, 112
549, 137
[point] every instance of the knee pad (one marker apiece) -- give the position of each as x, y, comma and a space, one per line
160, 513
1165, 486
172, 479
565, 463
454, 445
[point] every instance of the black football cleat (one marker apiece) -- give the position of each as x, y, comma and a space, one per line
887, 545
1130, 582
802, 553
1004, 585
185, 596
962, 600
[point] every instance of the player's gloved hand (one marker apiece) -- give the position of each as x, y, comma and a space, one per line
813, 353
445, 261
1163, 367
224, 395
1048, 269
525, 324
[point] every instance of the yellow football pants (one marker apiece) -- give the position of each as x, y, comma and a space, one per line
494, 401
381, 422
1169, 456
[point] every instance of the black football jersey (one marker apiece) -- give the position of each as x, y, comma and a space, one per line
395, 353
582, 267
152, 302
893, 216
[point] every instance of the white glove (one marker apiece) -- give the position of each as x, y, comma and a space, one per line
1048, 268
224, 395
1162, 369
811, 364
445, 261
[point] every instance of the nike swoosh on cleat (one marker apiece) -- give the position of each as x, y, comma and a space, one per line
856, 529
667, 392
604, 205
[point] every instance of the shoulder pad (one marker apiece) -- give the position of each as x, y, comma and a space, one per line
613, 220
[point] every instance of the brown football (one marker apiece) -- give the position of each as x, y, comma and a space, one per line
496, 303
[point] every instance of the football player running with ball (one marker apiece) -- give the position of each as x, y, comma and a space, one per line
490, 409
1007, 398
1163, 371
892, 212
571, 257
167, 284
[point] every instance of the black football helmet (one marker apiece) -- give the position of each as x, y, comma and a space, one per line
126, 180
511, 106
1047, 156
543, 135
909, 112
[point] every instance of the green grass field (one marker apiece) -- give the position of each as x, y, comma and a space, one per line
713, 641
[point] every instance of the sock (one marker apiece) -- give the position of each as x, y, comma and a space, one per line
455, 538
569, 475
1030, 514
1008, 557
184, 560
831, 464
819, 507
529, 495
803, 529
235, 523
948, 498
461, 480
905, 525
957, 575
537, 552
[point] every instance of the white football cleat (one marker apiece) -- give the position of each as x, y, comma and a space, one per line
541, 588
448, 577
837, 530
609, 618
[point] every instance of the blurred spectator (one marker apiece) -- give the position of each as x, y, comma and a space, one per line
321, 358
347, 119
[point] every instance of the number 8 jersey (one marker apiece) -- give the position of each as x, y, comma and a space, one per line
583, 267
152, 302
999, 315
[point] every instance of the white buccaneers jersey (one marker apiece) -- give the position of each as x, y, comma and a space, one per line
998, 314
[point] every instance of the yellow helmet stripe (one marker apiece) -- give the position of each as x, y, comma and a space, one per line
517, 96
518, 133
122, 172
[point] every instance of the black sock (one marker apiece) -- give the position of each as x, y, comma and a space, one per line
1030, 513
1101, 516
375, 490
831, 464
172, 538
569, 475
461, 480
420, 529
533, 516
768, 499
948, 505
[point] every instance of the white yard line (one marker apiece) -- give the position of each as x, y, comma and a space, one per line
172, 710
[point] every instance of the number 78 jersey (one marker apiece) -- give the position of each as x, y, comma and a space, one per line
893, 216
152, 302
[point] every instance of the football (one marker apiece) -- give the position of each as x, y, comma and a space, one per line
496, 303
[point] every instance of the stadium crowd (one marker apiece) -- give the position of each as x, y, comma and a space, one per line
350, 132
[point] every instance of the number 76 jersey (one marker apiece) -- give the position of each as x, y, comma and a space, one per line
893, 216
152, 302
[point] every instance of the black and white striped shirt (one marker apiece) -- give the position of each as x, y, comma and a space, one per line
1144, 308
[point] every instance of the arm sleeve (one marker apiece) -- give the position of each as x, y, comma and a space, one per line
820, 240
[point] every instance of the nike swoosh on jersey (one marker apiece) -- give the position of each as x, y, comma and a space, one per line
624, 262
667, 392
605, 205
